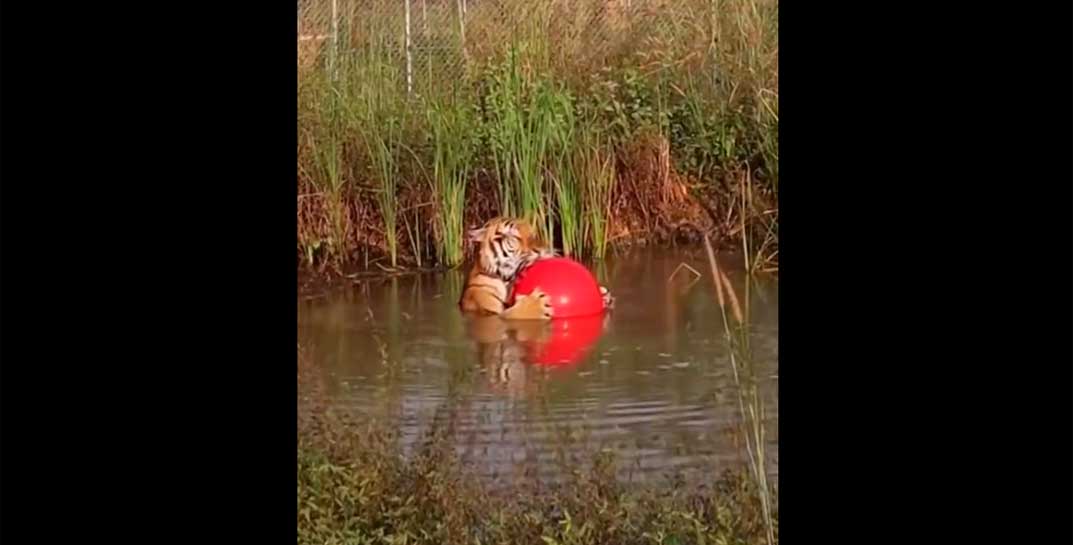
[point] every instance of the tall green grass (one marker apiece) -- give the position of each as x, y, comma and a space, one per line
504, 111
532, 128
327, 146
595, 166
568, 201
521, 125
566, 181
452, 127
382, 145
368, 87
537, 78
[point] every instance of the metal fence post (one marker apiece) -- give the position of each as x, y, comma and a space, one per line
335, 37
409, 54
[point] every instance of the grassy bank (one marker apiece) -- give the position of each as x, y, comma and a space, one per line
376, 497
355, 486
607, 123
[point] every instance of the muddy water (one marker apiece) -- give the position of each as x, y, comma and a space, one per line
652, 382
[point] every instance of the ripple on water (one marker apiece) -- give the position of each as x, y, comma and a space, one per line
657, 389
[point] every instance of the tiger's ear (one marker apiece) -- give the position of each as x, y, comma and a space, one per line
524, 228
536, 240
476, 235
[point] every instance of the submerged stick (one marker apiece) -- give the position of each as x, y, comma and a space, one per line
683, 265
715, 272
722, 281
734, 307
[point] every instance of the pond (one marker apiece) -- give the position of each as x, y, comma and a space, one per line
653, 381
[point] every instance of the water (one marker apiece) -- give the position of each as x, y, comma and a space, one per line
652, 381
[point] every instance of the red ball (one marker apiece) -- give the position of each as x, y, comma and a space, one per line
571, 288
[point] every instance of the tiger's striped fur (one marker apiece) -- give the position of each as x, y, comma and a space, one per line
505, 247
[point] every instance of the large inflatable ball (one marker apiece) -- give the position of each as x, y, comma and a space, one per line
572, 289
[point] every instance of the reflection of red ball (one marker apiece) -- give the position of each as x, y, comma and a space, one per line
571, 288
570, 341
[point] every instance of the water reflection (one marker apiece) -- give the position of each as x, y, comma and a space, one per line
507, 350
652, 380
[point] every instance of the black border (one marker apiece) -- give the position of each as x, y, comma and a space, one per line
147, 174
149, 299
926, 182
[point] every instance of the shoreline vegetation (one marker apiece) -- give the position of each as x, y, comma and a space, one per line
356, 485
358, 488
608, 123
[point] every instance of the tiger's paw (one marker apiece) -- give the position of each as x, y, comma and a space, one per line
543, 302
609, 300
533, 306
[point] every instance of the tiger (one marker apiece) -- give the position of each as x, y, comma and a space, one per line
506, 246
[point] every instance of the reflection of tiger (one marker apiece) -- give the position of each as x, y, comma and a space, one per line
502, 349
505, 246
506, 350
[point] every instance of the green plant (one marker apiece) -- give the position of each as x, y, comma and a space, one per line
452, 131
527, 117
596, 167
383, 145
354, 485
367, 87
329, 177
701, 76
567, 183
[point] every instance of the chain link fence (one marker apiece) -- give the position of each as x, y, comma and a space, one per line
438, 41
422, 38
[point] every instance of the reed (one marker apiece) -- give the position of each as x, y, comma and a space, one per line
568, 210
377, 114
750, 404
504, 110
329, 177
596, 167
381, 146
452, 130
567, 185
523, 111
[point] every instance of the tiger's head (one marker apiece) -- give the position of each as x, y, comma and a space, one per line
506, 246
